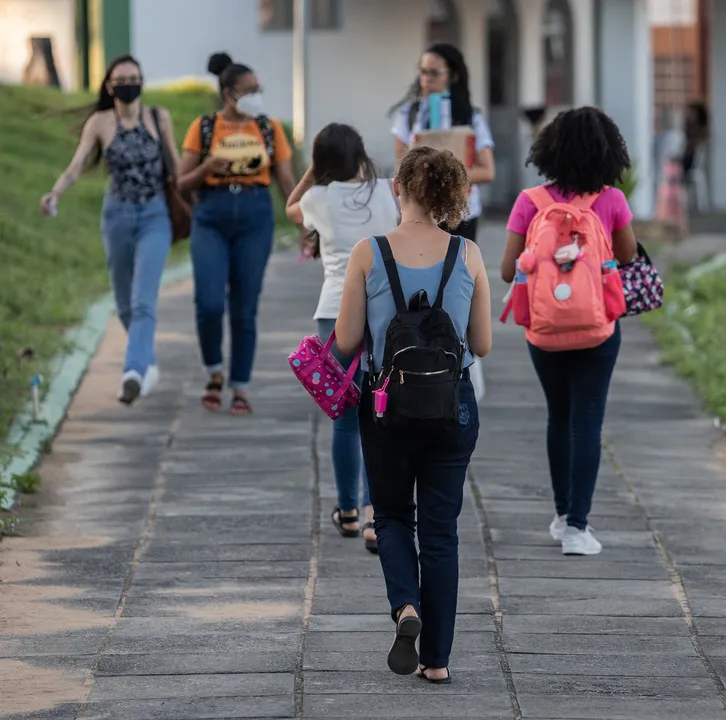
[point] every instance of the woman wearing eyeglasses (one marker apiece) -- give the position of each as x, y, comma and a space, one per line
442, 70
230, 158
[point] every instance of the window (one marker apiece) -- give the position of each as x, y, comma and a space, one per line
558, 54
279, 14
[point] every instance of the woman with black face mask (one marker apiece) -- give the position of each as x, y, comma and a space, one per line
133, 140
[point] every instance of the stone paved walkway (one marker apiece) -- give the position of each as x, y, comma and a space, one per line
182, 565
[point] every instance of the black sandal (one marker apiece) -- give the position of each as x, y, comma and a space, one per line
371, 545
339, 521
403, 656
421, 672
212, 398
240, 405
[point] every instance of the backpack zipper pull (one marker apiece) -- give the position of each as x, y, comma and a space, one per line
400, 377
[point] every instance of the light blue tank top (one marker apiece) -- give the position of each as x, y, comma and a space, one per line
381, 307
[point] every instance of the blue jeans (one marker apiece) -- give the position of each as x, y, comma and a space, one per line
346, 449
575, 385
231, 242
136, 238
435, 465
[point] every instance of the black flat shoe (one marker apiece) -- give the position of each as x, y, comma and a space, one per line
421, 672
403, 656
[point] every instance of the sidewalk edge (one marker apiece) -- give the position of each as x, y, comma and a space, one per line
26, 437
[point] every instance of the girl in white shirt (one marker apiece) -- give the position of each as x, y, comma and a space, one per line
340, 200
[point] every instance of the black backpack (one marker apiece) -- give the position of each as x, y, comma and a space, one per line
423, 355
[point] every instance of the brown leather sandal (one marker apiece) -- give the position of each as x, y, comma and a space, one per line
212, 398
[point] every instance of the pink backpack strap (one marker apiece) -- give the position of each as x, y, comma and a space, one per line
540, 197
584, 202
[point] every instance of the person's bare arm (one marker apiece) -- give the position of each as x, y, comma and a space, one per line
167, 137
192, 171
479, 331
293, 201
625, 246
90, 137
513, 249
285, 177
484, 171
351, 322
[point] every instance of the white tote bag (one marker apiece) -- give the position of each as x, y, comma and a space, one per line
477, 379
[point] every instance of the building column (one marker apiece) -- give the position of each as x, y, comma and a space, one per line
473, 37
717, 107
531, 75
585, 50
625, 75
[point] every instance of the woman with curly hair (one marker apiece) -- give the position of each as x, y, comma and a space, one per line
581, 153
433, 186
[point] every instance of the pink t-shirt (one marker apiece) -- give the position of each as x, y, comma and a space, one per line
611, 207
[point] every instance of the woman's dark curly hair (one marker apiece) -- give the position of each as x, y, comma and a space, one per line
581, 151
437, 181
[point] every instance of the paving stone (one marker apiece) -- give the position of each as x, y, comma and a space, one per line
197, 662
369, 661
199, 708
155, 687
570, 644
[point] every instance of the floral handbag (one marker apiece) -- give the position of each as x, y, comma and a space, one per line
642, 284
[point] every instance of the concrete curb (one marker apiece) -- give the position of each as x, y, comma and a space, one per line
27, 437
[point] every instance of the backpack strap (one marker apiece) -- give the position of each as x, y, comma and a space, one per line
540, 197
413, 113
392, 271
268, 134
206, 130
449, 262
584, 202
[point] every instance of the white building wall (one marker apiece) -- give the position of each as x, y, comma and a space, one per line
717, 160
626, 87
21, 19
356, 72
585, 50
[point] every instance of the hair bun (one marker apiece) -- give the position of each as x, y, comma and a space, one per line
218, 63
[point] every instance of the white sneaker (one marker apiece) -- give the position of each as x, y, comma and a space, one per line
558, 526
580, 542
130, 387
151, 380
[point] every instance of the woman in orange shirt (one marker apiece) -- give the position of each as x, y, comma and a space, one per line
230, 158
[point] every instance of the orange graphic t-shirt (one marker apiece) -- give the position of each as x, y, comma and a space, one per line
244, 146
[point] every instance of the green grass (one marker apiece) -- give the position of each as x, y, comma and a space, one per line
51, 269
691, 330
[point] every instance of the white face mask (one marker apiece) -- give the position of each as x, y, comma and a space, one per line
250, 104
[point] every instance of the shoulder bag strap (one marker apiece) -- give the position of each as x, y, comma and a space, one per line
268, 134
162, 144
206, 128
392, 271
449, 262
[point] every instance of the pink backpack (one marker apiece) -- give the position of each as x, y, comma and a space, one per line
324, 377
566, 305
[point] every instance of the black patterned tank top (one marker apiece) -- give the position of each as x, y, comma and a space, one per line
135, 164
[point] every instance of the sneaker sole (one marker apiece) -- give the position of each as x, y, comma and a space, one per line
403, 656
573, 552
130, 392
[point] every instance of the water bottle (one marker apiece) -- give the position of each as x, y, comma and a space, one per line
435, 110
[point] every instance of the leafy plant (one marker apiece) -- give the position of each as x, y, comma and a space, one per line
27, 483
628, 183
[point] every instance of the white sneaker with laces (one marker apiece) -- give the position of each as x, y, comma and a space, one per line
580, 542
558, 526
151, 379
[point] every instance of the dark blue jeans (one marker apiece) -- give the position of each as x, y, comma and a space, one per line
434, 466
231, 242
575, 385
346, 449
